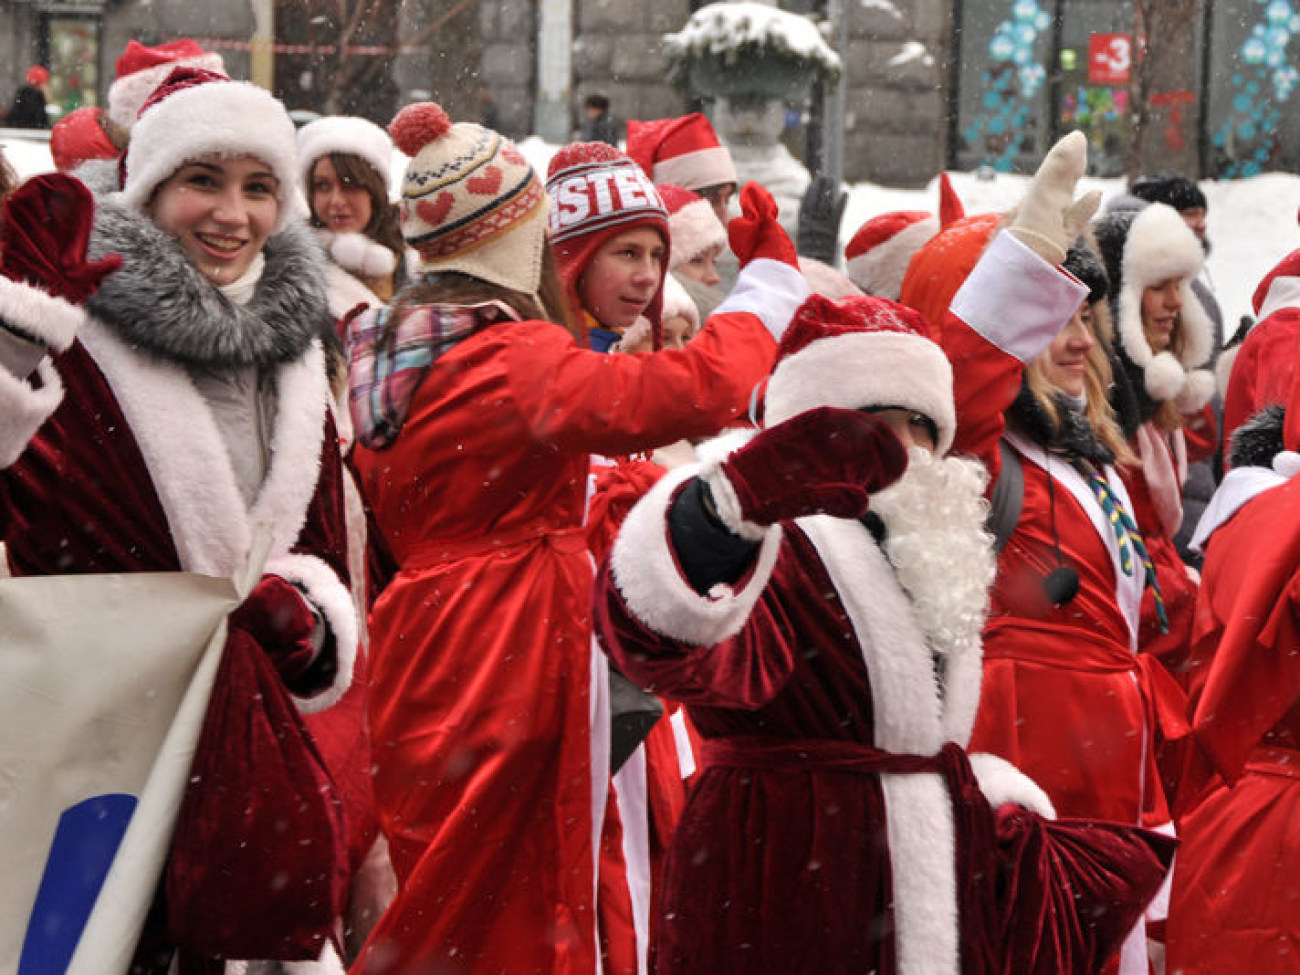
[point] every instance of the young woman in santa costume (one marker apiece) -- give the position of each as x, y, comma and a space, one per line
815, 594
476, 414
156, 430
1233, 904
1067, 696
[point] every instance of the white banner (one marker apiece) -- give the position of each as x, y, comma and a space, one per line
104, 683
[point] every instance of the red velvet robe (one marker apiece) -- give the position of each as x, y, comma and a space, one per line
127, 472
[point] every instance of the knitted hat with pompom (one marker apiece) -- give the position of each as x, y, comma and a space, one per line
470, 200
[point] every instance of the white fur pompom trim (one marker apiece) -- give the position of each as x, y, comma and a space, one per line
645, 570
327, 593
1286, 463
1196, 392
358, 253
1001, 782
1164, 377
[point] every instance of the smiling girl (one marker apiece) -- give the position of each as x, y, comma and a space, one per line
191, 408
344, 163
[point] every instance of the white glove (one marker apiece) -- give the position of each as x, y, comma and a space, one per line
1049, 217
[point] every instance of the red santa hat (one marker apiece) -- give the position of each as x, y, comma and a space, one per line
197, 113
141, 69
79, 137
597, 192
470, 200
692, 224
861, 352
37, 75
683, 151
343, 134
877, 256
1288, 267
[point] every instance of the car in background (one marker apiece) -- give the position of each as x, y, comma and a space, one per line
28, 151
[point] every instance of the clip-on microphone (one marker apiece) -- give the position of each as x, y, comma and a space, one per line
1061, 584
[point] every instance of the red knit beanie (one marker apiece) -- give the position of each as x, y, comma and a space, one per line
596, 193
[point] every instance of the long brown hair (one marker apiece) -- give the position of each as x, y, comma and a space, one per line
550, 304
1097, 380
1168, 417
352, 170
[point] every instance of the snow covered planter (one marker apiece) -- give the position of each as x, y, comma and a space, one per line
749, 50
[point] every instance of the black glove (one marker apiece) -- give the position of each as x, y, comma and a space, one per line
820, 212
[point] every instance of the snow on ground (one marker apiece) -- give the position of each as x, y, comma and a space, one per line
1252, 222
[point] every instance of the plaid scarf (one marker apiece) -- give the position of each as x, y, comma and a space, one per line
388, 358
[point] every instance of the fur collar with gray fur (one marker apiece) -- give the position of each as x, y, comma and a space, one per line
162, 303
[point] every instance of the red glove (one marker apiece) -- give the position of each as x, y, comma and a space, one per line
756, 233
822, 461
43, 236
279, 619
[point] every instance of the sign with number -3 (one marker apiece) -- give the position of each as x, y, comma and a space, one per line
1110, 59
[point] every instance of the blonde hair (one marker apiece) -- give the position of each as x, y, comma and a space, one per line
1167, 417
1097, 381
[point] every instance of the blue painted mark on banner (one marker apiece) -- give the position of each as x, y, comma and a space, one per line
84, 846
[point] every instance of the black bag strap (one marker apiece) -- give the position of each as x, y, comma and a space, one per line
1008, 497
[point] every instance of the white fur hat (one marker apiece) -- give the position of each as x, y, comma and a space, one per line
346, 134
197, 113
1158, 246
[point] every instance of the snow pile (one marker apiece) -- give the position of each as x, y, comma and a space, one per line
736, 32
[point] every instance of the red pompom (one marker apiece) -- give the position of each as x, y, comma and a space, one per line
417, 125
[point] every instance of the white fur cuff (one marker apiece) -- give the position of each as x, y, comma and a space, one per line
770, 290
24, 408
33, 312
646, 573
1001, 782
327, 593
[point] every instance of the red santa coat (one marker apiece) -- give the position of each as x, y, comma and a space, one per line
1066, 696
826, 831
1233, 907
491, 751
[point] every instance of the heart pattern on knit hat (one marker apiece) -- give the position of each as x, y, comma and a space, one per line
486, 183
434, 211
512, 155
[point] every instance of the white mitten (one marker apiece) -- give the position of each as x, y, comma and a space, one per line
1049, 217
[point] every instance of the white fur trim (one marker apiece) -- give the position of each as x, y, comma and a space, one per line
188, 461
771, 290
1196, 391
344, 134
358, 253
1239, 485
228, 118
694, 229
907, 705
1287, 463
1010, 275
1284, 292
1163, 376
711, 455
50, 320
327, 593
696, 170
646, 573
1223, 369
865, 369
679, 304
1001, 782
24, 408
128, 94
880, 270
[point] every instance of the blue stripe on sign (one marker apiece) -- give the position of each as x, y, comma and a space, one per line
84, 846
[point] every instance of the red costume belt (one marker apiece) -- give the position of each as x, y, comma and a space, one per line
434, 552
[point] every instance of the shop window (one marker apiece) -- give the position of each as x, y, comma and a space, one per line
73, 45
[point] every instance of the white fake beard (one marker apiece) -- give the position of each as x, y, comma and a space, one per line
936, 542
